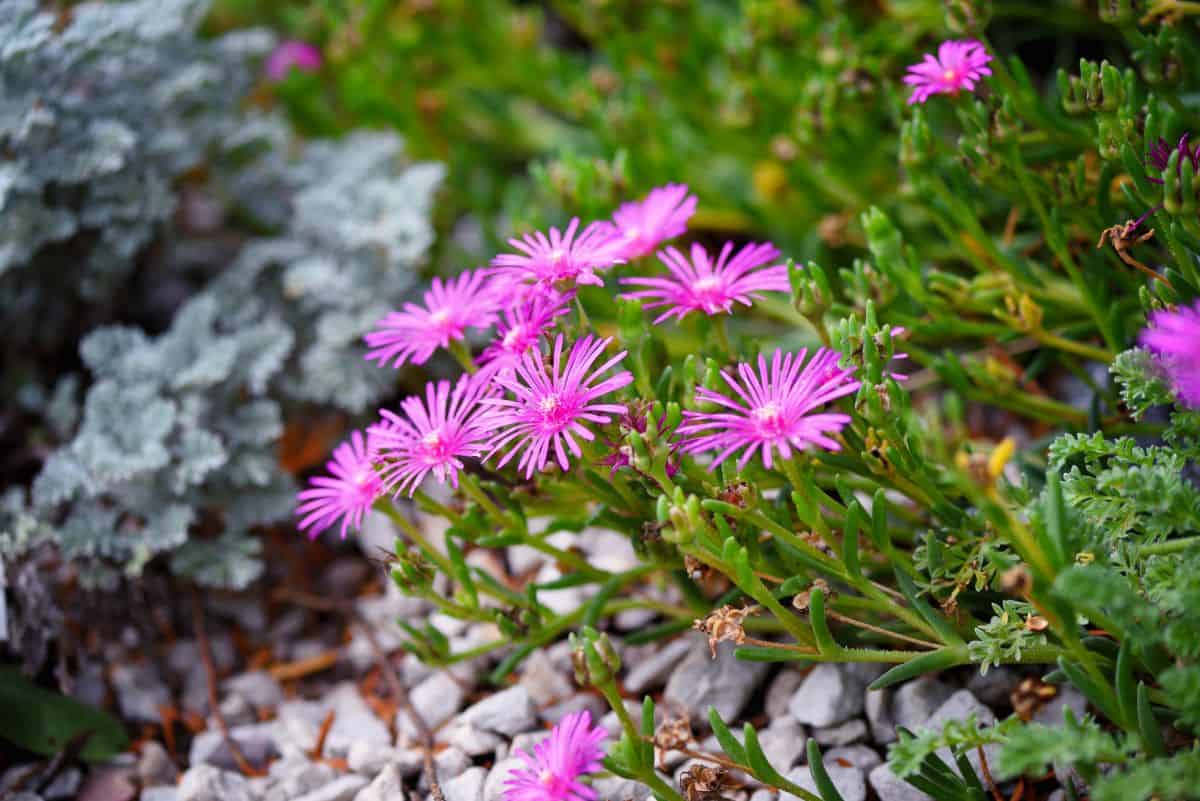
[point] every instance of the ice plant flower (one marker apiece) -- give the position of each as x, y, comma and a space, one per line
523, 325
552, 772
959, 64
412, 335
1160, 157
561, 259
345, 494
1174, 337
634, 418
549, 407
661, 215
711, 287
772, 410
289, 55
431, 435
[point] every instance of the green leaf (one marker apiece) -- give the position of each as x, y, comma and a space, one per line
924, 663
729, 743
820, 777
44, 722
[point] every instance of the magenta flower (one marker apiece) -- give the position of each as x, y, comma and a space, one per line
776, 408
346, 493
661, 215
550, 407
522, 328
635, 418
468, 301
1174, 337
552, 773
959, 65
561, 259
289, 55
701, 285
1160, 157
432, 435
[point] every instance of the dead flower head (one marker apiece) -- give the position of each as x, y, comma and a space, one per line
704, 783
725, 624
802, 599
1029, 696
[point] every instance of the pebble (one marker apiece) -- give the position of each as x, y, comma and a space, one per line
369, 759
614, 788
471, 740
915, 701
207, 783
1051, 712
256, 741
343, 788
295, 777
507, 712
467, 786
544, 682
724, 683
860, 756
829, 695
108, 784
878, 704
140, 692
436, 700
652, 672
493, 788
890, 788
780, 692
450, 763
387, 786
783, 743
957, 707
159, 794
155, 766
580, 701
849, 781
852, 731
763, 794
65, 785
995, 687
258, 688
299, 722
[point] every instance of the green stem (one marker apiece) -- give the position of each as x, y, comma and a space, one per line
414, 534
1170, 546
459, 350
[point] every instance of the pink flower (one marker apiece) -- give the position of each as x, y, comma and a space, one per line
1174, 336
552, 773
701, 285
550, 407
775, 412
467, 301
522, 328
647, 223
1160, 157
347, 493
959, 65
562, 259
432, 435
300, 55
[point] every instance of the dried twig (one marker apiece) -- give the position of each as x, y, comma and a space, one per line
210, 674
318, 749
987, 774
304, 667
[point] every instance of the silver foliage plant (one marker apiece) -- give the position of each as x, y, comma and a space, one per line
178, 432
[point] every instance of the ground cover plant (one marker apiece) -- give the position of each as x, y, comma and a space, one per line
873, 329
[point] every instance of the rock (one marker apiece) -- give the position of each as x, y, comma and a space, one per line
472, 741
256, 741
159, 794
852, 731
782, 743
108, 784
450, 763
878, 705
195, 692
493, 788
544, 682
299, 722
1058, 795
237, 710
343, 788
725, 683
829, 695
958, 707
258, 688
65, 785
467, 786
860, 756
140, 692
780, 692
155, 766
995, 687
295, 777
507, 712
387, 786
207, 783
1051, 712
890, 788
249, 613
763, 794
368, 759
915, 701
576, 703
612, 724
850, 782
436, 700
653, 671
614, 788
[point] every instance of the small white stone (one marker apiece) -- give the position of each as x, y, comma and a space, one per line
507, 712
467, 786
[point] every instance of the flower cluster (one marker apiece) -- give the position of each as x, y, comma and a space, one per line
532, 396
552, 772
